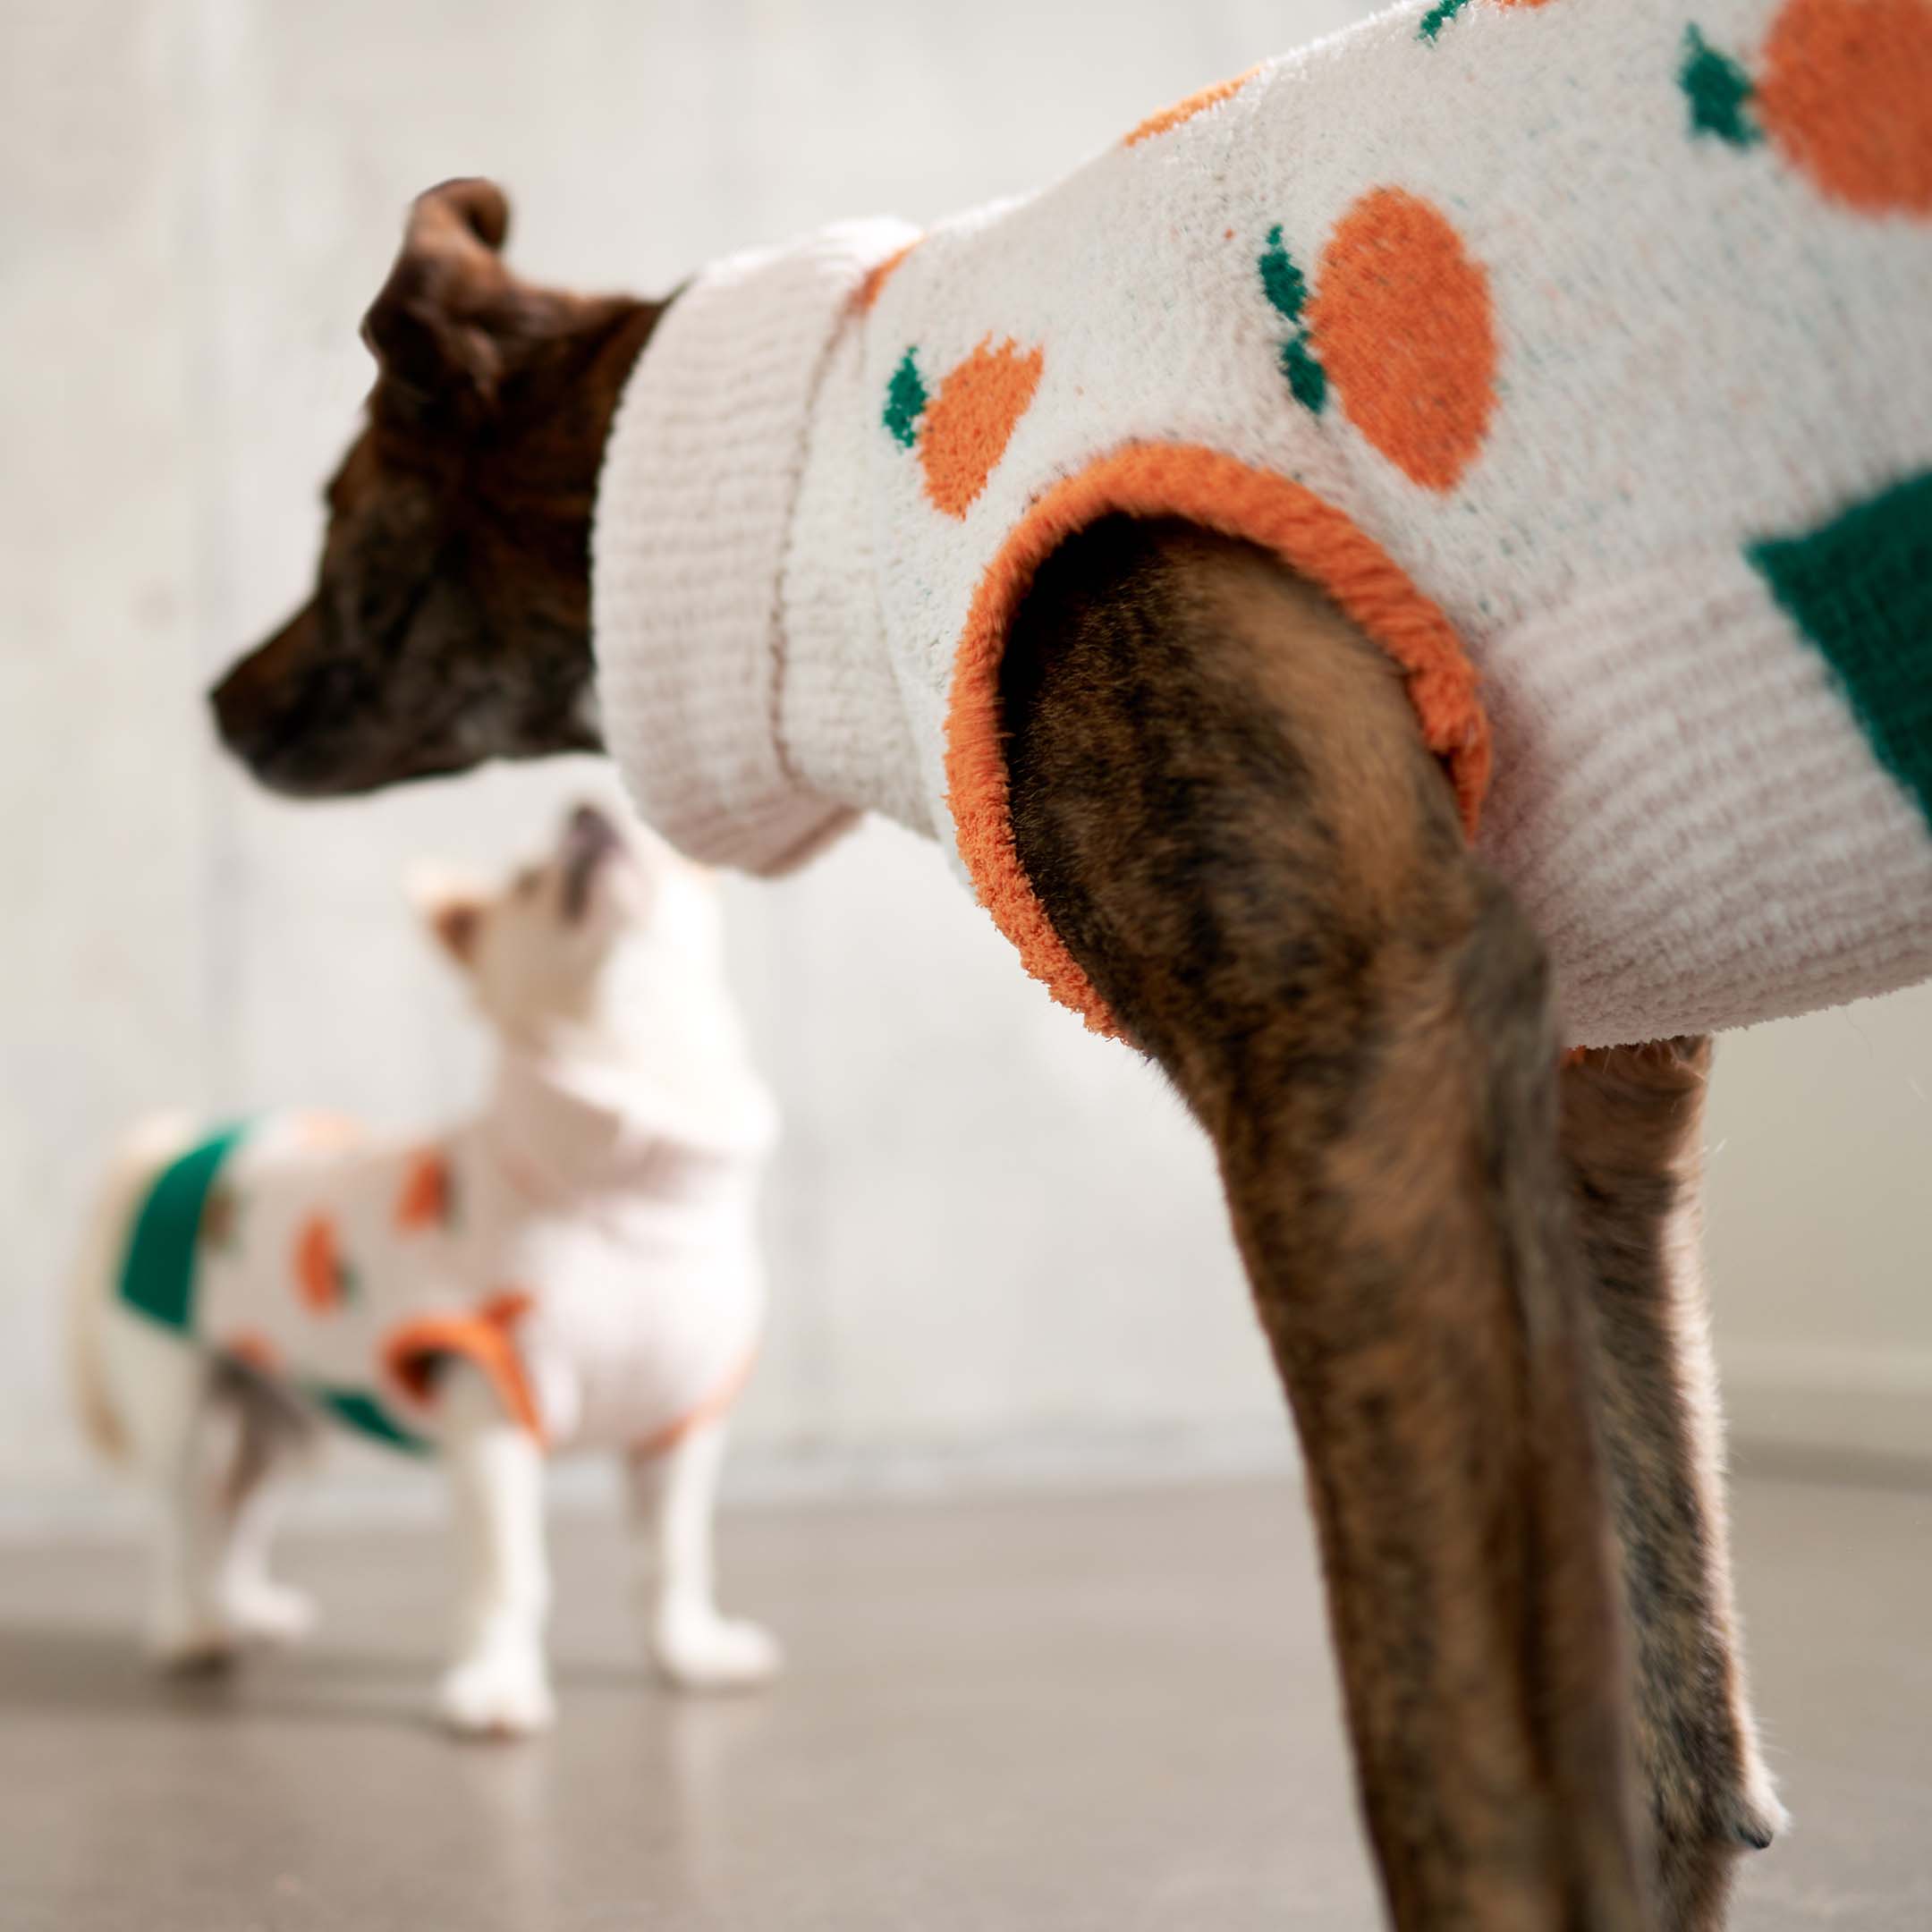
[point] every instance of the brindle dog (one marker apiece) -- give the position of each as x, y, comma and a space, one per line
1471, 1261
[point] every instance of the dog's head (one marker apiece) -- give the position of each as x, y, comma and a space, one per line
553, 953
450, 619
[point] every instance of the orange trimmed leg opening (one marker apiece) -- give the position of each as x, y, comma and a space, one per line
1310, 536
412, 1351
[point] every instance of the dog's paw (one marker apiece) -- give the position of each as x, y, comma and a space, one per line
270, 1613
503, 1693
700, 1650
1755, 1816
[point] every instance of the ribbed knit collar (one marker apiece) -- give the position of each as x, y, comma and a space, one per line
694, 511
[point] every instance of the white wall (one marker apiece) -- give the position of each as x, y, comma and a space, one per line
987, 1229
1820, 1216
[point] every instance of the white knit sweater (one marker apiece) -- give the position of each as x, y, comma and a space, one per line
1582, 352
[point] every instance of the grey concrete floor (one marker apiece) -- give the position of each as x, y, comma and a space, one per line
1068, 1713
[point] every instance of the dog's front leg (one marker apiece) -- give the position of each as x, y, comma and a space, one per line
1220, 796
694, 1643
498, 1684
1631, 1123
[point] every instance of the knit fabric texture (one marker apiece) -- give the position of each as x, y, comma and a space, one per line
1578, 352
589, 1255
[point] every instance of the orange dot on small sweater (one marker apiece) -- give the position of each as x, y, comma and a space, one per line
506, 1307
1846, 94
877, 275
1402, 324
1185, 110
318, 1273
423, 1200
969, 424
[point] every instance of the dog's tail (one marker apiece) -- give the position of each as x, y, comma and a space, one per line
96, 1267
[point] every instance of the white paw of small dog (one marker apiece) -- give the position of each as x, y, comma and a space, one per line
269, 1614
503, 1693
700, 1650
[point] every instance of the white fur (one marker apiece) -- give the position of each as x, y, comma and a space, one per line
498, 1684
636, 983
695, 1647
177, 1420
140, 1158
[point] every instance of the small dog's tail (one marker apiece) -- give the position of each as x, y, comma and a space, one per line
97, 1270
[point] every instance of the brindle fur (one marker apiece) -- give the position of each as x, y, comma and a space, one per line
1630, 1129
1482, 1317
452, 620
1220, 795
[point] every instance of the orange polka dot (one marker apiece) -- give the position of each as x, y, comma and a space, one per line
507, 1305
423, 1200
1846, 94
253, 1350
319, 1270
969, 424
1402, 322
878, 275
1185, 110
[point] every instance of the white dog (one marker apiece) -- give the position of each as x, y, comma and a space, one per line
575, 1266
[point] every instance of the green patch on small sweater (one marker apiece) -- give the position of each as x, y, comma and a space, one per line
905, 401
1439, 17
1719, 92
1860, 589
158, 1271
363, 1414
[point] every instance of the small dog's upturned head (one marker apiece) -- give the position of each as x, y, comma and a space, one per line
553, 953
451, 619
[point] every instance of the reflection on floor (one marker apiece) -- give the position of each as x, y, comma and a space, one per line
1097, 1712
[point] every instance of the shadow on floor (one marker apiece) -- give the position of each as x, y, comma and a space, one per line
73, 1671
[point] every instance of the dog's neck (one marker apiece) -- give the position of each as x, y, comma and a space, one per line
567, 1124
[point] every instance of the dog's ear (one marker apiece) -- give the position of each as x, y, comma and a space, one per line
443, 328
451, 909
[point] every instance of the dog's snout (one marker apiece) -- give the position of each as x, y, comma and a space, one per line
250, 701
589, 838
588, 823
238, 718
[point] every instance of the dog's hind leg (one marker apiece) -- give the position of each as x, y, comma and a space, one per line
272, 1437
174, 1433
1219, 795
178, 1424
222, 1444
1630, 1122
